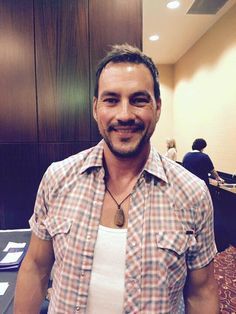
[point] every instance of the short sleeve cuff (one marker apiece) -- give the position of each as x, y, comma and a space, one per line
202, 261
39, 228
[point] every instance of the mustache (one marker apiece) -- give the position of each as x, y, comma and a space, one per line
139, 126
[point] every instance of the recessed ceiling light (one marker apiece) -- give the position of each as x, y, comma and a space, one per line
173, 4
154, 37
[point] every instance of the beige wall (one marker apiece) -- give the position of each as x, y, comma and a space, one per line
204, 103
201, 99
164, 127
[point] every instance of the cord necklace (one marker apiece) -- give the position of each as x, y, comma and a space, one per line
119, 219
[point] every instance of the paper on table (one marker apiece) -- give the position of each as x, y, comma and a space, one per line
14, 245
3, 287
11, 257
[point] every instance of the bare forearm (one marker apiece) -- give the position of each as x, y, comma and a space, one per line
203, 303
30, 290
216, 175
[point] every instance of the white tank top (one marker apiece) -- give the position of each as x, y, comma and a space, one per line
106, 291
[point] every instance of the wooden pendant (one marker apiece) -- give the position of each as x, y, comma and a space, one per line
119, 218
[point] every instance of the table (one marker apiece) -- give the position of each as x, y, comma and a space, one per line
16, 235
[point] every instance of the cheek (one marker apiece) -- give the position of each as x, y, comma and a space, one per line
103, 117
155, 115
150, 117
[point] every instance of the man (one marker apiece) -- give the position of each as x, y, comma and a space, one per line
200, 163
127, 230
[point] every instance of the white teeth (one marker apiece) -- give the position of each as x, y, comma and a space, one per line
125, 130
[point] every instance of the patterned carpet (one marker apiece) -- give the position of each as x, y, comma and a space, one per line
225, 274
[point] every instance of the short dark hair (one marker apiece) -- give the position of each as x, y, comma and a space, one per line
127, 53
199, 144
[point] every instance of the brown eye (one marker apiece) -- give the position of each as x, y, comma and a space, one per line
110, 100
140, 101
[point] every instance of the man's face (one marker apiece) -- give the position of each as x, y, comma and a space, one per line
126, 110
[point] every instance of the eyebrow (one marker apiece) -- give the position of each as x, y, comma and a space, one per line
136, 94
110, 94
141, 93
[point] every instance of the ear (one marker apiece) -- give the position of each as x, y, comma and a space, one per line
159, 104
158, 112
95, 100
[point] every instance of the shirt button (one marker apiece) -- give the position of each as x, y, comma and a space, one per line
82, 273
88, 236
77, 308
133, 244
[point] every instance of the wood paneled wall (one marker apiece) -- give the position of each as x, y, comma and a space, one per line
48, 54
18, 122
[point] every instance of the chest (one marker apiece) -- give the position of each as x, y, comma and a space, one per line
155, 243
115, 211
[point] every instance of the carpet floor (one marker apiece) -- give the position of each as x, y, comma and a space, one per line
225, 274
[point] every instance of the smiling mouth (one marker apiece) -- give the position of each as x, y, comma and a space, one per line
126, 128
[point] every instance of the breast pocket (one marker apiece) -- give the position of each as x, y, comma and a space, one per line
59, 230
175, 242
172, 248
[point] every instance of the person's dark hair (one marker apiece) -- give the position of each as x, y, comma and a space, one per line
127, 53
199, 144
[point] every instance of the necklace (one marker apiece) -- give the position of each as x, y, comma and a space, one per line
119, 219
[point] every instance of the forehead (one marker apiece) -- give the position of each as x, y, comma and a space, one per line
126, 75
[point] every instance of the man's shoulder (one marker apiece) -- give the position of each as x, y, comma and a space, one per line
176, 174
180, 178
74, 164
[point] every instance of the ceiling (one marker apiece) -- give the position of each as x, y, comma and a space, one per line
178, 31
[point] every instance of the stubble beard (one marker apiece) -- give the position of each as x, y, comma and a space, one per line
133, 152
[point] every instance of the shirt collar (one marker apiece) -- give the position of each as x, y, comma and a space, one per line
95, 159
153, 165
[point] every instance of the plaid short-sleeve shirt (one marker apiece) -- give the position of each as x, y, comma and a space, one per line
170, 230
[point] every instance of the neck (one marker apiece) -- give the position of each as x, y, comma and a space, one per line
123, 171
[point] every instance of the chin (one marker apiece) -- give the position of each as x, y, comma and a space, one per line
126, 152
126, 148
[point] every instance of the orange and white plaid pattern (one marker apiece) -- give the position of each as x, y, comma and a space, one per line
170, 230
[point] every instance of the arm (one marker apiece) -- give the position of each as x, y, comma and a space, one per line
216, 176
33, 276
201, 291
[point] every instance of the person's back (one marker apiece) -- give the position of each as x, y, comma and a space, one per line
199, 164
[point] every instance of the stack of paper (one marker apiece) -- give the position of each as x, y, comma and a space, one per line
12, 256
3, 287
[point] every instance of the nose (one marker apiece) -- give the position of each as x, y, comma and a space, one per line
125, 111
